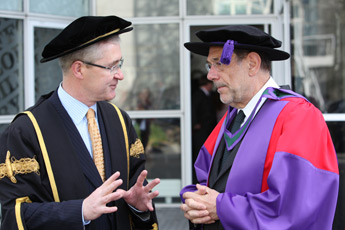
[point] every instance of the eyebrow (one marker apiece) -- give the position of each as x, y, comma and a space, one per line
115, 62
213, 59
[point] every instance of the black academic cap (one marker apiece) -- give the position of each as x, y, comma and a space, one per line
244, 37
83, 32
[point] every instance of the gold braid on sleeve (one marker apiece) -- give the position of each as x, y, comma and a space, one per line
12, 167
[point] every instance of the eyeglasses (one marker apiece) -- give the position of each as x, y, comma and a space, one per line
112, 69
217, 65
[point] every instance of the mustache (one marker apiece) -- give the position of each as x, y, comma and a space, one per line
218, 85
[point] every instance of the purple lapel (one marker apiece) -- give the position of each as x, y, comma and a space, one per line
249, 162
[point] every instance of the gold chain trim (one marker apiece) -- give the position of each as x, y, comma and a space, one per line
12, 167
155, 226
136, 149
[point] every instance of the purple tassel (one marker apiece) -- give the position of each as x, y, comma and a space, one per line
228, 49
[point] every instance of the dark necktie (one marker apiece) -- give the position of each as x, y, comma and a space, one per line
234, 126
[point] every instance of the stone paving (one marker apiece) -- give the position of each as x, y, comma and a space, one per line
171, 218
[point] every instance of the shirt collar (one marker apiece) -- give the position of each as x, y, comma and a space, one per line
75, 109
251, 105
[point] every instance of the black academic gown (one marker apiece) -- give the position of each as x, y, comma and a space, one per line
75, 174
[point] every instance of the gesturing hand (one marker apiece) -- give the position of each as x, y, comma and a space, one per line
140, 196
95, 204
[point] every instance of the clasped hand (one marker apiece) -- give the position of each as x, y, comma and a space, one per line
138, 196
200, 206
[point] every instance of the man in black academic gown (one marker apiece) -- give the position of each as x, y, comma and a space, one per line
48, 178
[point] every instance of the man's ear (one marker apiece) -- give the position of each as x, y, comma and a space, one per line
254, 63
77, 69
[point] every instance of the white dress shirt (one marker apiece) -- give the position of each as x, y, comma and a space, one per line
252, 103
77, 112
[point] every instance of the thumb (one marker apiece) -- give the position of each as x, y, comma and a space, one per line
202, 190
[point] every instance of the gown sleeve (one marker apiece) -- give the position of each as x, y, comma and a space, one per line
19, 200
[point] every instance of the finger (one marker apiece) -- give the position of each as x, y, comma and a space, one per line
112, 178
193, 204
125, 194
152, 184
201, 220
202, 190
153, 195
109, 188
149, 202
141, 178
184, 207
150, 206
112, 196
188, 195
198, 214
109, 209
187, 216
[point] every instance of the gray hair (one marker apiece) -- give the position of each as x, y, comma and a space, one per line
90, 53
266, 64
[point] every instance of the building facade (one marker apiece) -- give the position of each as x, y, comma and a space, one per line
160, 74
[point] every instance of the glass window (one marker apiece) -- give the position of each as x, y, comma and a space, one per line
162, 142
318, 51
138, 8
11, 66
12, 5
337, 130
229, 7
47, 75
318, 69
2, 129
73, 8
151, 68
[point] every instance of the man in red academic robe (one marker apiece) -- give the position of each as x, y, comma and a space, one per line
278, 168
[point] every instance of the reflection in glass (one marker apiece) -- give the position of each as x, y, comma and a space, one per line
151, 70
75, 8
162, 142
2, 128
229, 7
47, 75
11, 66
337, 130
12, 5
138, 8
318, 51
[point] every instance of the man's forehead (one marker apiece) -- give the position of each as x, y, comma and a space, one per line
215, 53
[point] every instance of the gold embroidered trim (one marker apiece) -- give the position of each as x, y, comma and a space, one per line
126, 138
18, 205
12, 167
45, 155
155, 226
136, 149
